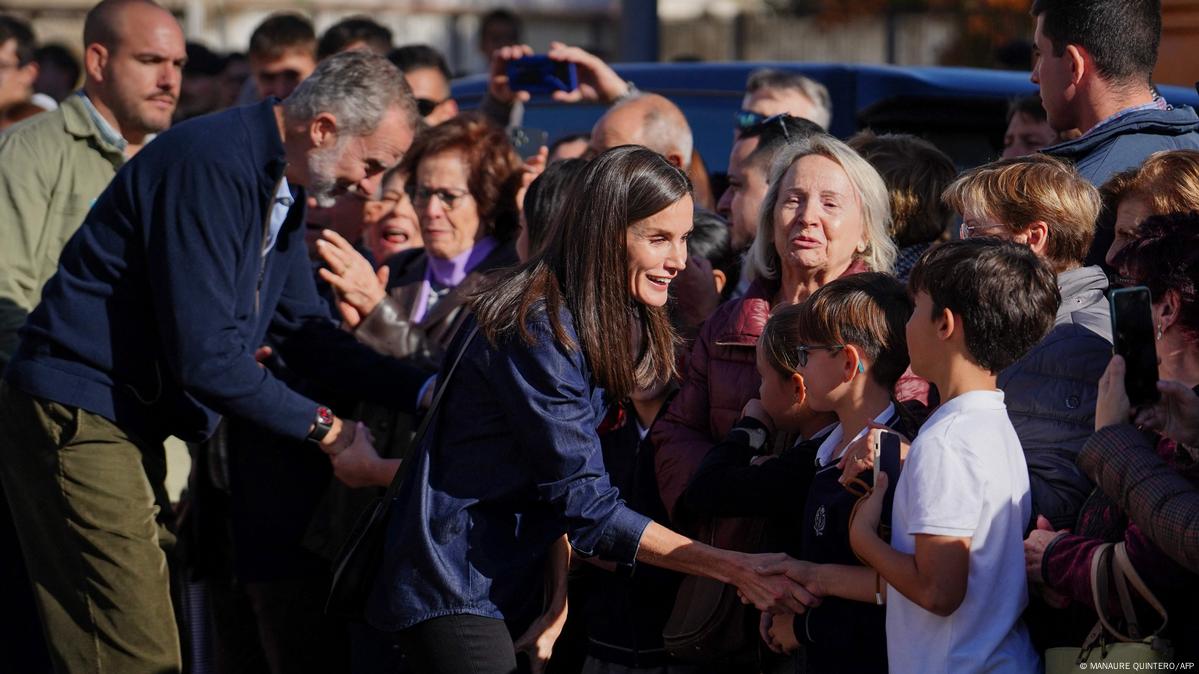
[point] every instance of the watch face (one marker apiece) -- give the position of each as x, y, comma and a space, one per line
324, 415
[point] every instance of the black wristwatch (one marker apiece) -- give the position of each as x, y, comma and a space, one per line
321, 425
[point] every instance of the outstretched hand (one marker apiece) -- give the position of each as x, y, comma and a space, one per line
771, 591
359, 287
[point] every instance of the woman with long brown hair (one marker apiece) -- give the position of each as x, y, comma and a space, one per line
512, 461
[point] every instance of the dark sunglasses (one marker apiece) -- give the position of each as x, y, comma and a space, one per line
747, 120
426, 106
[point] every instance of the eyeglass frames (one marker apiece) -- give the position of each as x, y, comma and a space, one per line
803, 350
449, 198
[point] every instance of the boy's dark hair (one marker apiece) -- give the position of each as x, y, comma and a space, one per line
711, 239
1005, 296
417, 56
916, 173
774, 132
354, 29
1121, 35
280, 33
12, 28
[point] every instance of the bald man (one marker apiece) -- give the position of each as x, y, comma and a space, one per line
649, 120
53, 166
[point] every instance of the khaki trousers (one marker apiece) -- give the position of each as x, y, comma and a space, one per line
86, 500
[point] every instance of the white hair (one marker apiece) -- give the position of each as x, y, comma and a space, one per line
872, 195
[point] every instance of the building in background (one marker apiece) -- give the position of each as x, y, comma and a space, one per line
982, 33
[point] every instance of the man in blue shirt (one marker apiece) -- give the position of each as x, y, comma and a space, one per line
1093, 61
188, 259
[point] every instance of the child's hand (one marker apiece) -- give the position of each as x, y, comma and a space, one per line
765, 624
782, 635
859, 455
865, 523
754, 410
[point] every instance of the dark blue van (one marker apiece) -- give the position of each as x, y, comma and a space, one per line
962, 110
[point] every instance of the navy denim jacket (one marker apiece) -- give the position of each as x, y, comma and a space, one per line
511, 462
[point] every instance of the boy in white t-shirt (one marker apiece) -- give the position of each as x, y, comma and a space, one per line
955, 565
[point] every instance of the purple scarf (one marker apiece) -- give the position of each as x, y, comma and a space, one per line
450, 273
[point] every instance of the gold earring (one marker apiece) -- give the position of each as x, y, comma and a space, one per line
1159, 332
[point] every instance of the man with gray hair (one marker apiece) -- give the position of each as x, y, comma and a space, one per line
150, 328
770, 92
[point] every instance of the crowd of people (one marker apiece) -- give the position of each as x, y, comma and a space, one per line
856, 411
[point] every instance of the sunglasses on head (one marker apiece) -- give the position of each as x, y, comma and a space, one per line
747, 120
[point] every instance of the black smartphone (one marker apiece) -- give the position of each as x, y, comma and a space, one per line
539, 74
1132, 333
886, 459
528, 141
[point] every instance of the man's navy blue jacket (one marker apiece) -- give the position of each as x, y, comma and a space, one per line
163, 295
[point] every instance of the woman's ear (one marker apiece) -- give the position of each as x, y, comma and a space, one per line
719, 279
1167, 309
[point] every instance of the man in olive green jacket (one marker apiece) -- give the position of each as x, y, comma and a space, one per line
54, 165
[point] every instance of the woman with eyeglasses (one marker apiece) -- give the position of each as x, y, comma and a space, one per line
463, 179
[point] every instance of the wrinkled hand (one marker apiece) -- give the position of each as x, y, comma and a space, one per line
598, 83
859, 455
538, 641
772, 592
497, 80
1175, 415
1113, 406
1034, 548
358, 286
754, 410
358, 465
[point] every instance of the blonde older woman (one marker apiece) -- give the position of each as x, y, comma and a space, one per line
825, 216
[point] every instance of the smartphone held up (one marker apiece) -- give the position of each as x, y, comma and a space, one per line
539, 74
1132, 337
